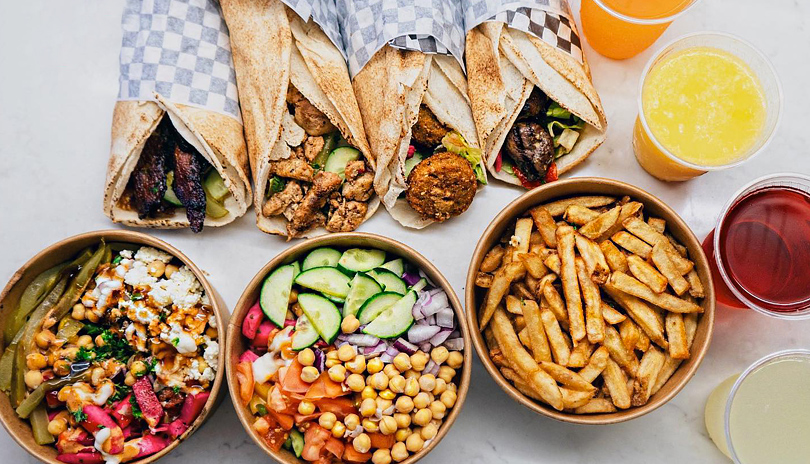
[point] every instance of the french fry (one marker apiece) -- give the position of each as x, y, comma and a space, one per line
535, 240
556, 304
643, 271
616, 260
644, 342
579, 215
523, 336
520, 323
573, 399
489, 338
568, 275
531, 283
559, 348
483, 280
629, 332
521, 238
594, 259
567, 377
536, 331
580, 354
629, 209
612, 316
513, 305
594, 322
690, 325
646, 233
671, 364
552, 262
520, 290
658, 224
601, 224
534, 265
630, 285
616, 384
663, 262
538, 379
678, 247
596, 406
695, 285
632, 244
492, 260
498, 288
558, 207
619, 353
545, 225
595, 365
676, 335
641, 313
650, 366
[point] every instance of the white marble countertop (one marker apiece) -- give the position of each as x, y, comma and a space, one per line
58, 81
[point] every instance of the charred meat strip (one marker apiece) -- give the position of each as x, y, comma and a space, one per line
535, 105
149, 176
428, 131
307, 214
188, 183
531, 148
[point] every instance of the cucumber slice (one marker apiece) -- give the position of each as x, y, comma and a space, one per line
375, 305
397, 266
297, 442
214, 208
322, 313
417, 287
215, 186
335, 299
275, 295
363, 287
170, 196
321, 257
361, 260
305, 334
327, 280
395, 320
389, 281
411, 163
338, 160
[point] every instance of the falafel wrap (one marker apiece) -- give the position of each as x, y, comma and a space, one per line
536, 110
312, 169
405, 59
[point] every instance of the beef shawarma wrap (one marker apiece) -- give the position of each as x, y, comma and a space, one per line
312, 168
412, 92
178, 156
536, 110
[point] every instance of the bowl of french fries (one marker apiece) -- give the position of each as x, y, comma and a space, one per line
590, 301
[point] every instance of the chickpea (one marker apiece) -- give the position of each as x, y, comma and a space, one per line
129, 380
97, 375
368, 393
61, 367
351, 421
57, 426
332, 355
422, 417
138, 368
374, 365
448, 398
357, 365
414, 443
446, 373
411, 387
379, 381
70, 352
440, 388
368, 407
338, 430
306, 408
388, 425
403, 420
390, 370
99, 340
410, 373
421, 401
438, 409
92, 316
77, 312
306, 357
350, 324
452, 387
85, 341
356, 383
428, 431
212, 333
156, 268
427, 382
327, 420
397, 384
44, 338
370, 426
33, 378
346, 353
455, 359
419, 361
404, 404
402, 434
36, 361
362, 443
381, 456
332, 363
170, 269
402, 362
399, 452
388, 394
337, 373
439, 354
383, 404
309, 374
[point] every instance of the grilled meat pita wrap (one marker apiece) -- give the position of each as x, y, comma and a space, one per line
536, 110
312, 168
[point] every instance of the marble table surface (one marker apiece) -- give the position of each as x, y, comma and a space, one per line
58, 81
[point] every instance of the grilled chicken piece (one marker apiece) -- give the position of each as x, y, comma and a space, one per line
293, 168
359, 180
312, 147
346, 216
188, 183
306, 215
306, 115
279, 202
149, 176
531, 148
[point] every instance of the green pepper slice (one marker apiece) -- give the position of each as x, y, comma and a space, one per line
35, 398
39, 426
33, 294
329, 143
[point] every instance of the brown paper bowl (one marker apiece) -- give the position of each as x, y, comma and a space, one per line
652, 205
237, 343
19, 429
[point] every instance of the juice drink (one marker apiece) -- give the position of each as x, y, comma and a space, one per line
622, 29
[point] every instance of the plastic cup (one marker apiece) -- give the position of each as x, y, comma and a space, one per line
662, 163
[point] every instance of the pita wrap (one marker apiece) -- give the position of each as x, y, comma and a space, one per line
504, 66
275, 49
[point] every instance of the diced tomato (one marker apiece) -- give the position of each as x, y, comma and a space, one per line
351, 455
499, 161
341, 407
244, 375
275, 438
525, 182
551, 174
291, 382
314, 440
325, 387
378, 440
335, 446
284, 420
280, 402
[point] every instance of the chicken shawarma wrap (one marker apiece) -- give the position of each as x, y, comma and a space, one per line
535, 107
412, 93
178, 156
313, 171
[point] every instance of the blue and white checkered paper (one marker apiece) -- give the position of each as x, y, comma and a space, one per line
549, 20
324, 13
180, 49
429, 26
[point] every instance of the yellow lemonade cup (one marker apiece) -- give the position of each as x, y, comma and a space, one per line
661, 162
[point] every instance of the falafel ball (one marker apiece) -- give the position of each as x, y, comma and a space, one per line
428, 131
441, 186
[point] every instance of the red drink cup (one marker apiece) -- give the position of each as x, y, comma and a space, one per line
760, 249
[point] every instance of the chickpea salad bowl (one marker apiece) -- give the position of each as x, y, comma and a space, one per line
111, 350
348, 348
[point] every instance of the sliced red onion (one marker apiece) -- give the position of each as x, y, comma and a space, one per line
431, 368
422, 321
455, 334
437, 302
320, 360
440, 337
432, 320
454, 344
405, 346
421, 333
444, 318
425, 347
418, 309
410, 278
422, 274
374, 351
362, 340
386, 358
289, 323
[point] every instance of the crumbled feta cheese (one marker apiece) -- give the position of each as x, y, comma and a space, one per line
211, 354
138, 275
160, 295
178, 337
148, 254
138, 311
212, 319
126, 254
194, 372
514, 241
205, 300
183, 288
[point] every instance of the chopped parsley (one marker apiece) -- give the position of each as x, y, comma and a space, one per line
79, 415
121, 391
117, 260
176, 389
162, 316
136, 410
277, 184
84, 354
113, 347
175, 341
137, 296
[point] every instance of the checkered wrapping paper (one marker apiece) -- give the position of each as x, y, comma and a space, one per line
549, 20
429, 26
181, 50
324, 13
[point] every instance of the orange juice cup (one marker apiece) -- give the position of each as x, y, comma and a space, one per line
621, 29
763, 94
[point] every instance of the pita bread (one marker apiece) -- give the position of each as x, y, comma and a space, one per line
273, 47
503, 66
390, 89
217, 137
